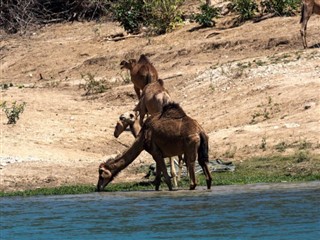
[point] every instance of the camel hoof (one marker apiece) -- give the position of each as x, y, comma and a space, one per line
192, 187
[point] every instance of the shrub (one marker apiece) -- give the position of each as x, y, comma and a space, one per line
164, 15
13, 112
20, 15
246, 8
205, 17
281, 7
93, 86
130, 13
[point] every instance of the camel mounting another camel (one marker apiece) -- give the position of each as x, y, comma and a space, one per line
157, 136
308, 8
141, 72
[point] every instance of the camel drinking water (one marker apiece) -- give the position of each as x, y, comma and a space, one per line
141, 72
169, 133
308, 8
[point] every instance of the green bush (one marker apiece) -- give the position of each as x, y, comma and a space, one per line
281, 7
13, 112
130, 13
246, 8
161, 15
205, 17
164, 15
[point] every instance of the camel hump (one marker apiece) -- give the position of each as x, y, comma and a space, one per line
143, 59
172, 110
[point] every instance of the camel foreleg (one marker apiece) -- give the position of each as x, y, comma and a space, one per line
161, 168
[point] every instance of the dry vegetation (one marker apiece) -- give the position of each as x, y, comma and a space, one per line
253, 88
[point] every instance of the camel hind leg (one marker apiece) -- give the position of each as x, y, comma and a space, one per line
203, 158
306, 12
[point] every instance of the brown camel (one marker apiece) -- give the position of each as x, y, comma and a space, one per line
141, 72
130, 119
154, 97
166, 134
308, 8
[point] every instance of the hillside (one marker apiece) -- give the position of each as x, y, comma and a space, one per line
253, 88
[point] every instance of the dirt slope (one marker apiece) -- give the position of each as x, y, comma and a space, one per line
253, 89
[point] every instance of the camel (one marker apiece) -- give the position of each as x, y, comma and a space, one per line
141, 72
153, 97
130, 119
169, 133
308, 8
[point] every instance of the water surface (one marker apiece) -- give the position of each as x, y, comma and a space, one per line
263, 211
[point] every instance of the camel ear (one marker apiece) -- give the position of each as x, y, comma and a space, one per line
105, 173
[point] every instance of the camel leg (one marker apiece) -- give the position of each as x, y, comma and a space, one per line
137, 90
157, 180
306, 13
161, 167
206, 171
173, 171
190, 159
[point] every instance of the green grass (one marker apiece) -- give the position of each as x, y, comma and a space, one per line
293, 168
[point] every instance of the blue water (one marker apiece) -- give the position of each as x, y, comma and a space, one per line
278, 211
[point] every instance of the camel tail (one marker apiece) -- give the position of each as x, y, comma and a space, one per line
203, 151
302, 13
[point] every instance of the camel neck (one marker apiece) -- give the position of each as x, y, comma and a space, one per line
118, 164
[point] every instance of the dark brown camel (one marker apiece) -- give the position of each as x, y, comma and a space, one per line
166, 134
308, 8
141, 72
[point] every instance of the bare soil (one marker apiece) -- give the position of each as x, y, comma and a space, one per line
253, 88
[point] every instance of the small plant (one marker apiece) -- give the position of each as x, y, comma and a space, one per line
13, 112
93, 86
263, 145
281, 147
205, 17
267, 111
126, 79
304, 145
5, 86
302, 156
246, 8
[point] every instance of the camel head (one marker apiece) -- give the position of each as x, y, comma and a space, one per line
119, 128
105, 177
128, 65
125, 120
128, 117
